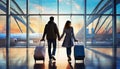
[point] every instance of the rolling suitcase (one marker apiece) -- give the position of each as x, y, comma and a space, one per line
79, 53
39, 52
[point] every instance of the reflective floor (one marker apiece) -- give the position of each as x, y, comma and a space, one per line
22, 58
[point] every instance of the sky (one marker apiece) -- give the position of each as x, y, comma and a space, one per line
50, 7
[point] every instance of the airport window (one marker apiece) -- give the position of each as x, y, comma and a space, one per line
118, 30
43, 6
18, 31
117, 8
18, 6
39, 12
2, 40
99, 31
99, 6
3, 7
2, 31
93, 22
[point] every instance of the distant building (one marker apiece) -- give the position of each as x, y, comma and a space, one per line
87, 31
92, 32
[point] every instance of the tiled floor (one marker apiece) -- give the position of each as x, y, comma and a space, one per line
22, 58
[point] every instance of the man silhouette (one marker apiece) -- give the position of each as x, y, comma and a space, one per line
51, 32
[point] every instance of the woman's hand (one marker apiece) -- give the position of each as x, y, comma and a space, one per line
76, 40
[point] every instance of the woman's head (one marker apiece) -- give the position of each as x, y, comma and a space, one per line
67, 25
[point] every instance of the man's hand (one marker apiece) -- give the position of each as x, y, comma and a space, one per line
42, 40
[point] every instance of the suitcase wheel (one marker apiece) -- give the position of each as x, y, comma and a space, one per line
40, 59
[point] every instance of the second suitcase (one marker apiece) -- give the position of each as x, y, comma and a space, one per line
39, 53
79, 53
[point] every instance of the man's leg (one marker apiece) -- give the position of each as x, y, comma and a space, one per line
49, 49
54, 49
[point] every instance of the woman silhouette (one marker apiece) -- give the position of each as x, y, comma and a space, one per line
68, 40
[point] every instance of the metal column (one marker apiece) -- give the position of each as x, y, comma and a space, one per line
7, 33
27, 33
114, 33
85, 22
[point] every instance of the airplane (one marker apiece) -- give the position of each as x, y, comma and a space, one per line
20, 39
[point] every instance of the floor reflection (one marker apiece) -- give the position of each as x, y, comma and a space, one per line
52, 65
79, 66
95, 58
69, 66
39, 66
75, 66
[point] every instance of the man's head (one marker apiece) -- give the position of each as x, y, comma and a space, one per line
51, 18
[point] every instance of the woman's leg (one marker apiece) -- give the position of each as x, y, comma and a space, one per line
69, 53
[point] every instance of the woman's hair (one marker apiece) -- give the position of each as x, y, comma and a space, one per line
67, 25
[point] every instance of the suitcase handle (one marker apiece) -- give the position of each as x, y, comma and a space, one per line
40, 43
79, 43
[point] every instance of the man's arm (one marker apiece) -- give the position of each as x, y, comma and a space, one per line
57, 31
45, 30
62, 34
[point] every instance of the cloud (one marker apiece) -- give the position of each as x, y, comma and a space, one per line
77, 6
60, 0
74, 4
43, 9
39, 7
68, 3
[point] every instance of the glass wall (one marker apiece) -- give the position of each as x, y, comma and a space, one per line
99, 31
118, 6
71, 6
99, 27
43, 6
18, 6
118, 41
2, 34
3, 42
78, 24
99, 7
118, 32
95, 21
18, 40
2, 6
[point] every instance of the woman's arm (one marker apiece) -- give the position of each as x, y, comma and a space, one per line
62, 34
73, 35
